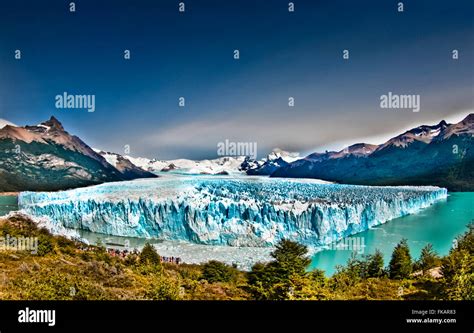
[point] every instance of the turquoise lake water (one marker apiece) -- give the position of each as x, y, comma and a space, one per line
7, 204
438, 225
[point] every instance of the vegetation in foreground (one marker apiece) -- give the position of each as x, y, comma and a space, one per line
63, 269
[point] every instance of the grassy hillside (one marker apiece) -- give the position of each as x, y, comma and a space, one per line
69, 270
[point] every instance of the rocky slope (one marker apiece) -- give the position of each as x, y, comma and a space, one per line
47, 157
441, 155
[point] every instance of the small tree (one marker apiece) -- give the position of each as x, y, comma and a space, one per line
283, 278
466, 240
290, 258
216, 271
458, 268
356, 268
149, 256
428, 259
375, 264
400, 266
260, 280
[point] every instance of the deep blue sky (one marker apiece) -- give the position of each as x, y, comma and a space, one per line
282, 54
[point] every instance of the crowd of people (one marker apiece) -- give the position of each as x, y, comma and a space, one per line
114, 252
123, 253
171, 260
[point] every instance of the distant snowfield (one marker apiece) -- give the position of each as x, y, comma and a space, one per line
185, 166
226, 164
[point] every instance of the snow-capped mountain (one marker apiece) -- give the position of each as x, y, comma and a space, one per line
463, 128
424, 134
355, 150
222, 165
124, 165
286, 156
4, 123
47, 157
276, 159
440, 154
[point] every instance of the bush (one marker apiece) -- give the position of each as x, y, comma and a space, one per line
45, 245
66, 245
260, 281
149, 256
131, 259
215, 271
189, 272
55, 285
164, 289
458, 270
318, 277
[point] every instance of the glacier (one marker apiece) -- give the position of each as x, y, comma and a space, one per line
233, 211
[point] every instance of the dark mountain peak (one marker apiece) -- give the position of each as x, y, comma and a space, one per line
279, 161
465, 128
427, 129
357, 145
319, 156
7, 128
53, 123
52, 159
442, 123
469, 119
423, 133
358, 150
361, 145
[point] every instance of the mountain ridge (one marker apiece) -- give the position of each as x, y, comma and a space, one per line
46, 157
440, 154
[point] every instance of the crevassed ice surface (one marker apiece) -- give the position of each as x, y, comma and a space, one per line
245, 211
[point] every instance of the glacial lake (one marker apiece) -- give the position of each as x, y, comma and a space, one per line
8, 203
438, 224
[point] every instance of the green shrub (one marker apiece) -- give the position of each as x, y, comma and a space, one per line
215, 271
163, 289
149, 256
283, 278
45, 245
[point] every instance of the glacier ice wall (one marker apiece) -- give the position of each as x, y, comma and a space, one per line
246, 211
